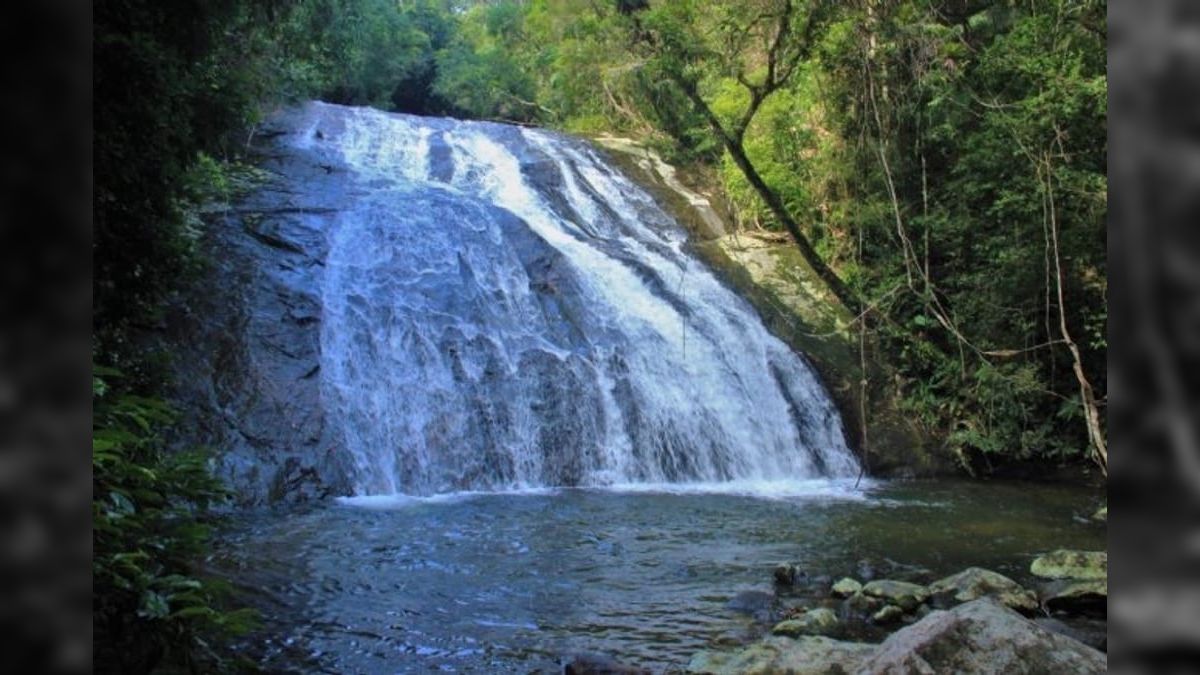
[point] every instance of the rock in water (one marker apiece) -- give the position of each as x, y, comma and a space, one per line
819, 621
888, 614
845, 588
976, 582
807, 655
981, 636
786, 574
1087, 596
901, 593
1067, 564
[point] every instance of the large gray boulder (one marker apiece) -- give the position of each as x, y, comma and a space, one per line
981, 636
808, 655
975, 582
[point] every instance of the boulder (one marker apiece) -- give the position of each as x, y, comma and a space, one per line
1067, 564
806, 655
1075, 596
981, 636
975, 582
888, 614
903, 594
845, 588
819, 621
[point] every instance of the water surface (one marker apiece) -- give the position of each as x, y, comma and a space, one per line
513, 582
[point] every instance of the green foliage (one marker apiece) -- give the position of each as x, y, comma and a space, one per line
149, 529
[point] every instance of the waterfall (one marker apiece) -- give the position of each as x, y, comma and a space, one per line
502, 309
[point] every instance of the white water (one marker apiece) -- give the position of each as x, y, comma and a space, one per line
505, 311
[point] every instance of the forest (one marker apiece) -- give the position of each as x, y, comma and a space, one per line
940, 164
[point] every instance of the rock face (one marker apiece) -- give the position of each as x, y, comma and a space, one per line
903, 594
807, 655
1066, 564
976, 582
820, 621
981, 636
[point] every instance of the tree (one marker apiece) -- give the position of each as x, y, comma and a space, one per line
759, 43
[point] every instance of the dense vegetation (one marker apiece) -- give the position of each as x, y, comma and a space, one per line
942, 164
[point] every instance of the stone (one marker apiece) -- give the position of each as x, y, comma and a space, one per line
1101, 514
806, 655
1077, 596
820, 621
888, 614
975, 582
845, 588
786, 574
864, 604
902, 593
1067, 564
980, 636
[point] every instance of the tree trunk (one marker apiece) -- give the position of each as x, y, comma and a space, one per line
772, 200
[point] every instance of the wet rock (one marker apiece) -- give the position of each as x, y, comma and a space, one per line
888, 614
819, 621
1067, 564
902, 593
863, 604
1074, 596
845, 588
806, 655
786, 574
599, 664
981, 636
976, 582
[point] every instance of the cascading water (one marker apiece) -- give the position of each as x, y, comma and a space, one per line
503, 309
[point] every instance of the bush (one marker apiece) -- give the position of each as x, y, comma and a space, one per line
149, 527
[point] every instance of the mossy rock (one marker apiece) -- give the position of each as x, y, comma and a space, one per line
976, 582
819, 621
845, 588
1067, 564
907, 596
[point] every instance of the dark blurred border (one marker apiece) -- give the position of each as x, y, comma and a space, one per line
1154, 335
45, 328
